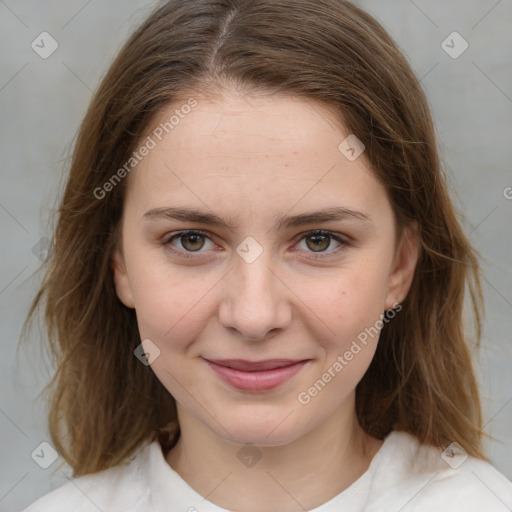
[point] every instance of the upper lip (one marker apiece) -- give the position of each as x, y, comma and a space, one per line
253, 366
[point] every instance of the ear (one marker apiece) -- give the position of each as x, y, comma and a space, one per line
404, 265
121, 280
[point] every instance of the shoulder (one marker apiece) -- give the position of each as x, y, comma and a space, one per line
422, 477
119, 488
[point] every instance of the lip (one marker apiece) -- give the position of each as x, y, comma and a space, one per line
256, 375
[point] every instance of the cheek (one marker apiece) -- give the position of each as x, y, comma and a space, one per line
352, 300
169, 303
352, 310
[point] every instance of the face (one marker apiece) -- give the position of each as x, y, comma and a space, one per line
249, 237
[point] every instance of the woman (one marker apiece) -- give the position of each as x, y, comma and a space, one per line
255, 297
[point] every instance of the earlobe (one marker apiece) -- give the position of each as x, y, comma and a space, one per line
121, 280
404, 266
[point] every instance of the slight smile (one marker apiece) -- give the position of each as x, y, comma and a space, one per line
256, 375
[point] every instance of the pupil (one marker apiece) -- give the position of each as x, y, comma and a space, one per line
320, 241
194, 239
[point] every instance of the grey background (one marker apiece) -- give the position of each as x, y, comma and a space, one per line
42, 102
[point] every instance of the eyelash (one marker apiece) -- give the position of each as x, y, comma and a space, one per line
166, 241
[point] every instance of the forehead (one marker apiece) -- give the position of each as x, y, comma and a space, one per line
252, 152
247, 126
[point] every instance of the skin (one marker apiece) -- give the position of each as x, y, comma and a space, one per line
252, 159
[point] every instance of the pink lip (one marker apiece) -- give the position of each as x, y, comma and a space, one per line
256, 375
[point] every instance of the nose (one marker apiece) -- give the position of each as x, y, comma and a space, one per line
255, 302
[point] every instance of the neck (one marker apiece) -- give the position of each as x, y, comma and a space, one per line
285, 477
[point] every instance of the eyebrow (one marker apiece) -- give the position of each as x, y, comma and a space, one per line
211, 219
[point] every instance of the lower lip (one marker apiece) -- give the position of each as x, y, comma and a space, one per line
259, 380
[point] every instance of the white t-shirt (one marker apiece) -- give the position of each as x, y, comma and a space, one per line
403, 476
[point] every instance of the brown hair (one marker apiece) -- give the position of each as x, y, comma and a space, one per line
421, 378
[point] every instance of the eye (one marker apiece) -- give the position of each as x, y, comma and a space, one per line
187, 242
318, 241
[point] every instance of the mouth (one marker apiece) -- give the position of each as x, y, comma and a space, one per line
256, 375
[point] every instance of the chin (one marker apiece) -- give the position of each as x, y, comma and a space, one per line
257, 438
264, 429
